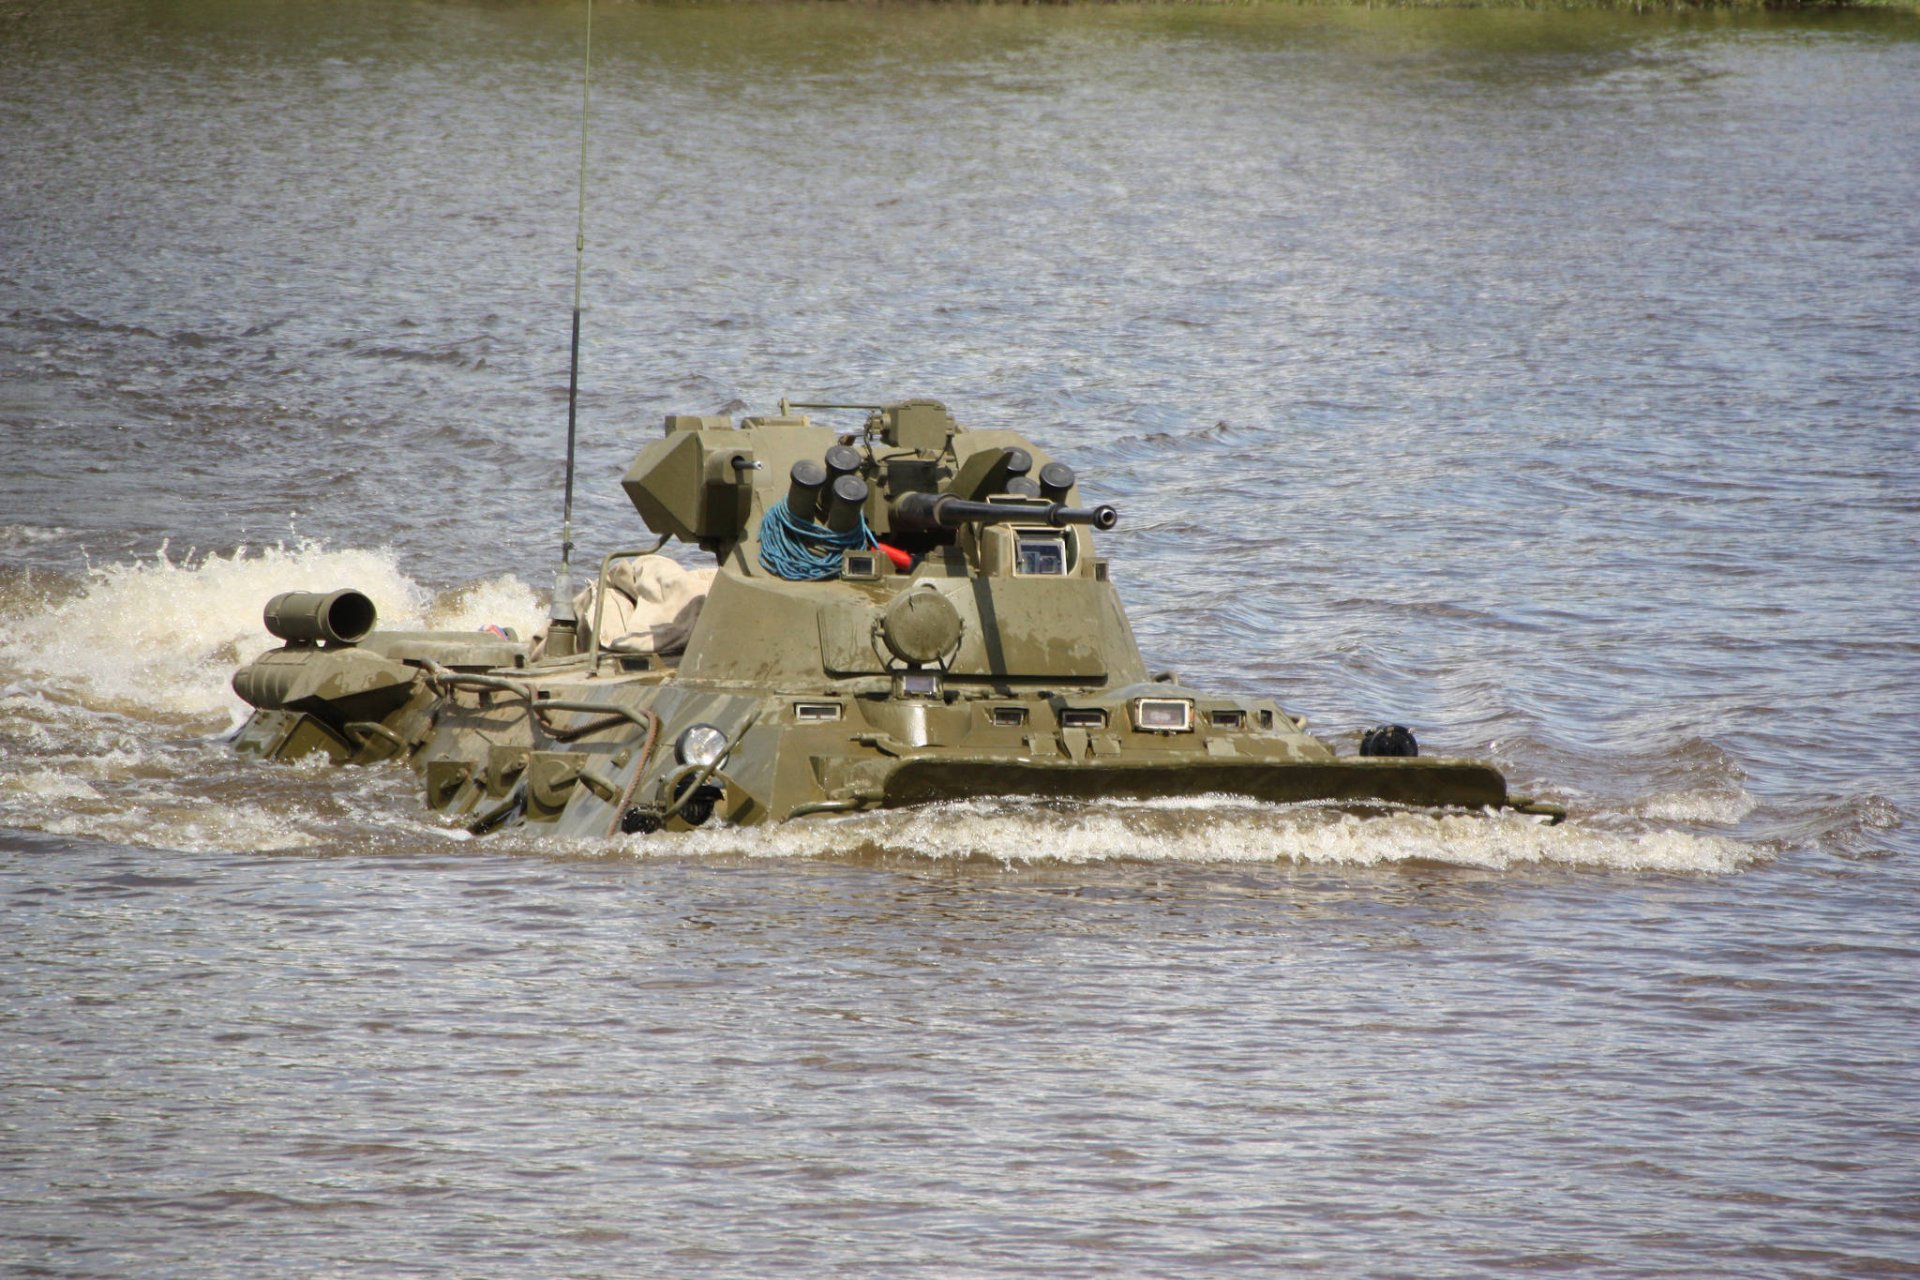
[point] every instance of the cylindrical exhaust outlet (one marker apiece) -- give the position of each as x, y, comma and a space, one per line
1056, 479
847, 498
313, 617
803, 493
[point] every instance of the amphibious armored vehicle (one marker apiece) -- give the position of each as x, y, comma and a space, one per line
906, 612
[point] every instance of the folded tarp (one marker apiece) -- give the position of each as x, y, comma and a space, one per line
652, 604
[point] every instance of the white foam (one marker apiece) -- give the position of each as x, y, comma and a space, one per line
1710, 807
99, 685
504, 601
27, 535
196, 828
48, 784
1215, 830
162, 637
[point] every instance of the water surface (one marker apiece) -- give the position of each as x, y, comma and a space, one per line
1544, 381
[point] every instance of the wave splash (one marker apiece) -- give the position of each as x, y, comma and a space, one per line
1218, 829
114, 696
159, 638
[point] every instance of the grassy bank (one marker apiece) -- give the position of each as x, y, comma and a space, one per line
1631, 6
1649, 6
1652, 6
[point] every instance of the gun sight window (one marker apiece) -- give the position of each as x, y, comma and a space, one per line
1040, 554
917, 684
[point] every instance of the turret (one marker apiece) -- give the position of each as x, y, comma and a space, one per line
822, 535
911, 478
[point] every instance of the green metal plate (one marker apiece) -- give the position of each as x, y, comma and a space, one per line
1458, 783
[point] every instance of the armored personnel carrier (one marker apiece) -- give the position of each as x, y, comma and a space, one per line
904, 613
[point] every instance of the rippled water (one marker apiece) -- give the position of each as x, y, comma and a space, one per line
1543, 380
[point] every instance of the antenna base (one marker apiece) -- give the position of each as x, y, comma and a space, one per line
563, 624
563, 638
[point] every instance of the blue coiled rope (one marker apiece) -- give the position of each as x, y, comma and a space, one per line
802, 551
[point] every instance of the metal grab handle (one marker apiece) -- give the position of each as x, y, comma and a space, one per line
537, 707
516, 801
600, 596
610, 716
706, 774
361, 730
706, 771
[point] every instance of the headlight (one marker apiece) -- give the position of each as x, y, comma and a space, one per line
700, 744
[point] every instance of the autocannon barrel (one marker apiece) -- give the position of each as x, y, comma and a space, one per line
944, 511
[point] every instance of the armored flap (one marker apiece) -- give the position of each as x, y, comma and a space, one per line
335, 685
695, 484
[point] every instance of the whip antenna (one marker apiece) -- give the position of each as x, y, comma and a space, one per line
563, 627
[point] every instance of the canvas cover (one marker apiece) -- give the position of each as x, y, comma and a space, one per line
652, 604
